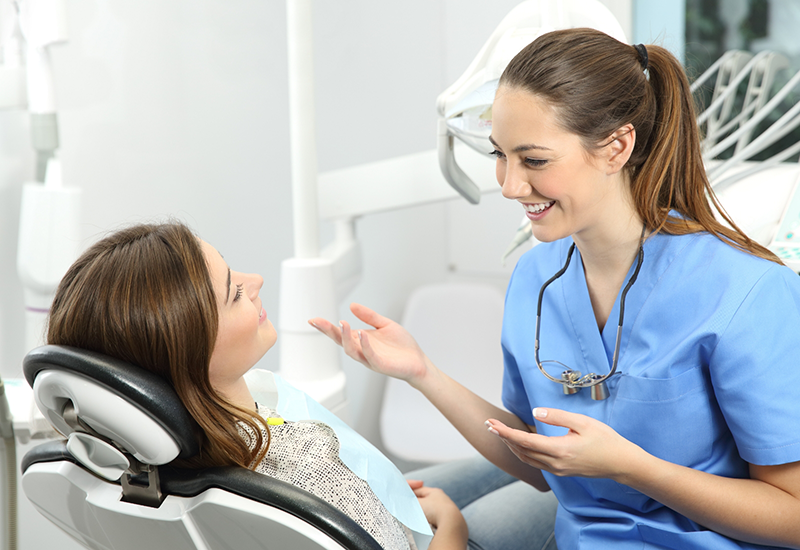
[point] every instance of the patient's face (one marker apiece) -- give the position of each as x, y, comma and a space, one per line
245, 333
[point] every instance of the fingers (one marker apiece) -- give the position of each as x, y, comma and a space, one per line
518, 437
527, 447
349, 339
327, 328
415, 483
369, 316
351, 342
422, 491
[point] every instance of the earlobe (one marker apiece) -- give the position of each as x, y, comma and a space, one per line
620, 148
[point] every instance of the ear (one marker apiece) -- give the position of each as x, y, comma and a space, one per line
619, 149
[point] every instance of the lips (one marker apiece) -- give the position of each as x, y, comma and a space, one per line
538, 207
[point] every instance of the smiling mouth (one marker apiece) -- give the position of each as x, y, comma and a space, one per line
538, 208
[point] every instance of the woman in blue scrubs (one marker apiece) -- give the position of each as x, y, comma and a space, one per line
692, 442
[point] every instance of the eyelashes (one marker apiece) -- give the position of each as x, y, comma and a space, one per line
239, 290
534, 163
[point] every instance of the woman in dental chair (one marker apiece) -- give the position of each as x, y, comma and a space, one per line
159, 297
692, 441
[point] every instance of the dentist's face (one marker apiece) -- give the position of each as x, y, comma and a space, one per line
245, 334
544, 167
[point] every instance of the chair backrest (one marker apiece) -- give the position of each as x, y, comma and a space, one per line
107, 485
458, 325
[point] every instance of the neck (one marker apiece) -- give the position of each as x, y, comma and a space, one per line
609, 243
611, 249
237, 393
607, 253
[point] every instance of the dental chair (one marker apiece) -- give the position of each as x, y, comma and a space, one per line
109, 485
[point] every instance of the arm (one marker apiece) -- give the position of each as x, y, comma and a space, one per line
762, 510
451, 532
389, 349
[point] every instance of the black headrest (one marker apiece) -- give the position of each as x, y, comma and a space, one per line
145, 390
189, 483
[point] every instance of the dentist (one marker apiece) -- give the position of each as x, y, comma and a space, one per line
651, 349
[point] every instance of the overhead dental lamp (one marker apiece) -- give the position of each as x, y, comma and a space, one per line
465, 108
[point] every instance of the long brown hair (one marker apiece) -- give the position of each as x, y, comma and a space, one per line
597, 84
144, 295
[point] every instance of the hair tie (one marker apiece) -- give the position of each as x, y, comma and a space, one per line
642, 55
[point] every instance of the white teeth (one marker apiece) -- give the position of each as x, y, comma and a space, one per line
539, 207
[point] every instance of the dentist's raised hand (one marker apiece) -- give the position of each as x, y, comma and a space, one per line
388, 348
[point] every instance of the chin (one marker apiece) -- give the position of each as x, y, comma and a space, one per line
547, 236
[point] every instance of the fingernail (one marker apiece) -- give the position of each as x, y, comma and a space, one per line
487, 424
341, 324
313, 324
539, 413
359, 335
493, 431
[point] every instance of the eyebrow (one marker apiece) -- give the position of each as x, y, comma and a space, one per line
522, 148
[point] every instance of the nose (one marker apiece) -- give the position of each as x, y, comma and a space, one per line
253, 283
513, 183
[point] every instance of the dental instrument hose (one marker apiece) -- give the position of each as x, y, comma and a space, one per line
9, 459
522, 236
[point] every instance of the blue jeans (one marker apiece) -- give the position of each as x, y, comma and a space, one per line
502, 512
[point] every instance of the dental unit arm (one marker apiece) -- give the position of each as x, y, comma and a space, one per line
465, 107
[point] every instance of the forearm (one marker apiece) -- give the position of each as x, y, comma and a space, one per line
749, 510
467, 412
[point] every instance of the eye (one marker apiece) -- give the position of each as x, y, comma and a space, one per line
239, 289
497, 154
535, 163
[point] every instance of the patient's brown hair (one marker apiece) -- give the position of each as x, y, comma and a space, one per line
144, 295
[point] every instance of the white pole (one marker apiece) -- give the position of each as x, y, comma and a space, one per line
308, 288
301, 129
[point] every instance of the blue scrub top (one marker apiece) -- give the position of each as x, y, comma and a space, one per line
707, 378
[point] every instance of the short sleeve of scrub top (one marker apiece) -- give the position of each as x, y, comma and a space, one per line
708, 375
755, 370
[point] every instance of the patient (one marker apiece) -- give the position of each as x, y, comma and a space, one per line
161, 298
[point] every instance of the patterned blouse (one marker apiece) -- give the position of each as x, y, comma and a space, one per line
306, 454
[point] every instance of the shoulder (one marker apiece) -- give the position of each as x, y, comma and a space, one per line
544, 258
702, 257
710, 277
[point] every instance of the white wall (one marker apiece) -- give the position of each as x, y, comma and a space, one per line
179, 108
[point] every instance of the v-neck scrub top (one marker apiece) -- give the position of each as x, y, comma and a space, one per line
708, 376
